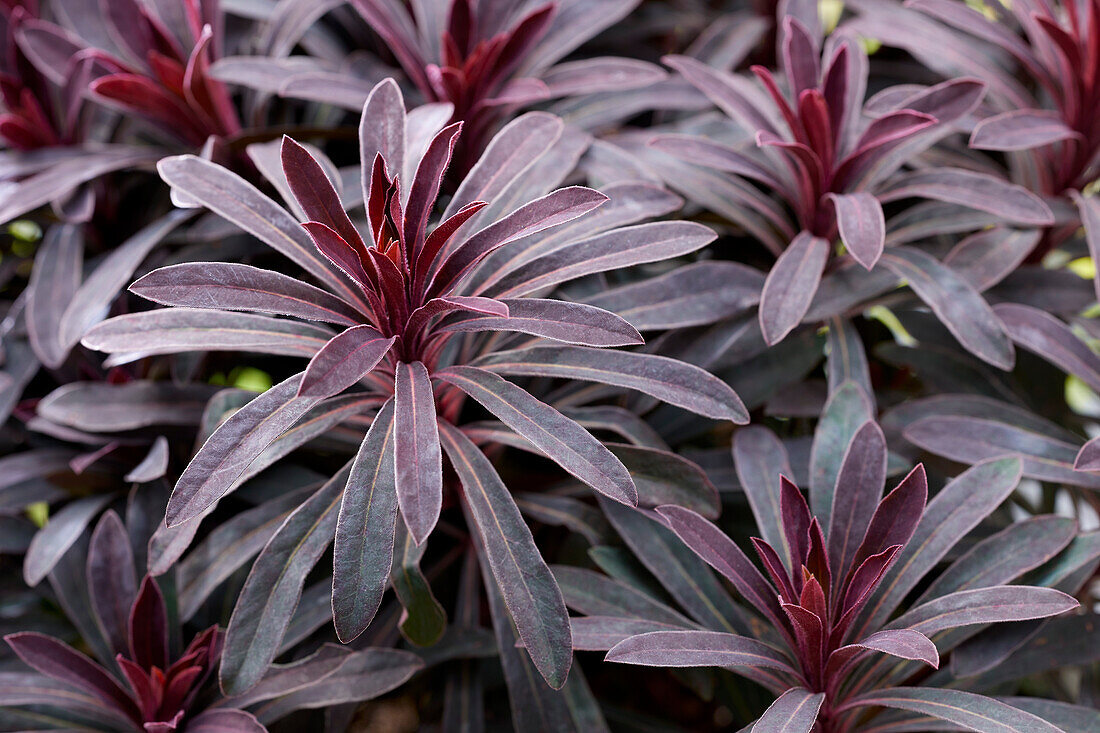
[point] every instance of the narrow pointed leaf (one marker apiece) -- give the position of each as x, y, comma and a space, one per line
795, 711
1020, 129
955, 302
997, 604
363, 549
226, 454
231, 286
343, 361
270, 594
525, 582
974, 712
862, 226
696, 649
669, 380
418, 459
857, 494
562, 440
791, 285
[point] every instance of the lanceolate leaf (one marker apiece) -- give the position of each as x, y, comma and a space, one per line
956, 303
343, 361
795, 711
112, 582
847, 409
791, 285
675, 382
862, 226
417, 456
363, 550
572, 323
238, 201
562, 440
858, 491
965, 709
235, 444
697, 649
760, 459
271, 592
1044, 335
985, 605
954, 511
63, 529
173, 330
975, 190
1020, 129
230, 286
525, 582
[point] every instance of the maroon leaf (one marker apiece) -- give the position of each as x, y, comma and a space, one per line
418, 460
862, 226
1021, 129
791, 285
562, 440
343, 361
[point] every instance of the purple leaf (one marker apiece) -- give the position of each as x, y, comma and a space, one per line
92, 300
965, 709
234, 199
1021, 129
230, 286
54, 280
601, 74
418, 461
858, 491
62, 663
173, 330
382, 131
722, 89
52, 541
112, 583
149, 627
987, 257
846, 410
902, 643
562, 440
425, 186
525, 582
954, 511
600, 633
101, 407
343, 361
955, 302
691, 295
791, 285
719, 551
1088, 459
697, 649
974, 190
270, 594
760, 459
227, 453
553, 209
669, 380
315, 192
895, 519
1047, 337
608, 251
970, 440
862, 225
511, 151
795, 711
996, 604
571, 323
363, 549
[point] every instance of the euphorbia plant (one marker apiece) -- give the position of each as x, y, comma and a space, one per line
1049, 127
489, 60
410, 302
833, 160
139, 683
823, 607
